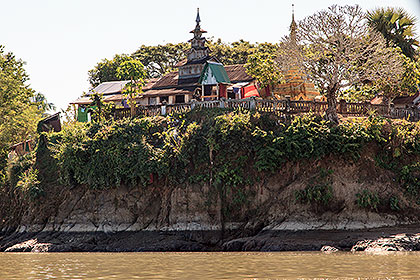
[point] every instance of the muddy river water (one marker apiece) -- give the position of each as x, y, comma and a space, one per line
281, 265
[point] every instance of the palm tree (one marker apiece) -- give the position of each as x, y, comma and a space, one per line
42, 102
397, 26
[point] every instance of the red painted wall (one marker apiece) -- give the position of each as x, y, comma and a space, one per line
223, 90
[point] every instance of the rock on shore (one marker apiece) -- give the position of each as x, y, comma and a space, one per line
399, 242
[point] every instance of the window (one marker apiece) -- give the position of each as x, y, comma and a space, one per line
164, 98
179, 98
152, 100
231, 95
207, 90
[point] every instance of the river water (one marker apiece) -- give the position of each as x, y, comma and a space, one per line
280, 265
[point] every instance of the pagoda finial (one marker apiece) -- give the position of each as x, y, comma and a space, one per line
293, 25
197, 30
293, 12
198, 16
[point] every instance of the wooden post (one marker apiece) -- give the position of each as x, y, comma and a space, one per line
222, 103
75, 111
163, 108
367, 107
343, 107
287, 103
253, 103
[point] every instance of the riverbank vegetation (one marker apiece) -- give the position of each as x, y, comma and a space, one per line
227, 151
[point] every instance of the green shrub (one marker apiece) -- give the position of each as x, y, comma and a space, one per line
18, 166
320, 194
368, 200
394, 203
409, 177
29, 184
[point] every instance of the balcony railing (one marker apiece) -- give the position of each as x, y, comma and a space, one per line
278, 107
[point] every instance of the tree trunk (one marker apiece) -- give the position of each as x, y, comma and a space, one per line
132, 107
331, 113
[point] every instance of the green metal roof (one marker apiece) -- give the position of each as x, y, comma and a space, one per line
213, 73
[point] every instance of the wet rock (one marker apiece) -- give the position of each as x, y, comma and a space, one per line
31, 245
400, 242
234, 245
328, 249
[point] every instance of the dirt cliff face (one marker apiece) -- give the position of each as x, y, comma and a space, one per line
271, 204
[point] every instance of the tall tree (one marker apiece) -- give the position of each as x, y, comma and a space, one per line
106, 70
132, 70
41, 101
231, 53
397, 27
262, 66
337, 49
19, 116
160, 59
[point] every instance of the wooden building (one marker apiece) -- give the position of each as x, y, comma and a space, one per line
199, 76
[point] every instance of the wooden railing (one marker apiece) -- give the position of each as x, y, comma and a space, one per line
278, 107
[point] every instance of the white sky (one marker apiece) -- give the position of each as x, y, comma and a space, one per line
62, 40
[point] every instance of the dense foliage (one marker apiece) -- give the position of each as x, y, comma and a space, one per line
227, 151
106, 70
262, 66
161, 59
103, 155
20, 106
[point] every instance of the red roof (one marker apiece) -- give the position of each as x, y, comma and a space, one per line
377, 100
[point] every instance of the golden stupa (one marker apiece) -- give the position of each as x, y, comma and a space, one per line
296, 85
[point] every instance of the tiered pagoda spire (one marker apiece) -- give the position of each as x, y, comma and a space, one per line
296, 86
198, 42
197, 55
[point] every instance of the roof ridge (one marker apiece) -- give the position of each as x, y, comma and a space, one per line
238, 64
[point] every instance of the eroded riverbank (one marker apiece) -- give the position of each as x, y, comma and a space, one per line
401, 238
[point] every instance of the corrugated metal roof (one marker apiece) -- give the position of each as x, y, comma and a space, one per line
214, 73
114, 97
377, 100
237, 73
82, 100
117, 86
238, 85
150, 83
168, 80
405, 100
168, 91
109, 87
